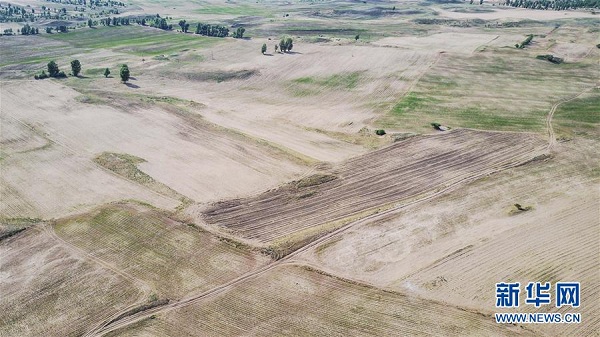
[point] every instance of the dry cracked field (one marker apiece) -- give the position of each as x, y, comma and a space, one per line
225, 191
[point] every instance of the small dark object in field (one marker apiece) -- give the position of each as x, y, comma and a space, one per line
437, 126
380, 132
551, 58
521, 208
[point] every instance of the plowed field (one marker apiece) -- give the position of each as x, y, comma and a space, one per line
402, 171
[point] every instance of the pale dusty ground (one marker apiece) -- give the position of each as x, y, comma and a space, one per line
61, 178
440, 254
455, 248
267, 104
42, 276
455, 42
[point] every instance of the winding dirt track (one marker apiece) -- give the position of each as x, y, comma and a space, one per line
549, 128
468, 174
473, 166
145, 288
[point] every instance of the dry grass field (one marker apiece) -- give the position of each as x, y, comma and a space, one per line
222, 191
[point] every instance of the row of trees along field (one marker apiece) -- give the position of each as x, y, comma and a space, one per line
554, 4
54, 71
213, 30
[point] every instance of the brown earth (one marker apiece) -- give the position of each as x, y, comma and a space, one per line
407, 169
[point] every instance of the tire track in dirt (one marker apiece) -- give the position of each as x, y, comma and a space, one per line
142, 286
549, 129
289, 259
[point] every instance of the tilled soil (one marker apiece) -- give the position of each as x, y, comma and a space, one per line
402, 171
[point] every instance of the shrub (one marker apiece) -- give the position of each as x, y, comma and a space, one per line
75, 67
436, 126
52, 69
42, 75
551, 58
380, 132
124, 73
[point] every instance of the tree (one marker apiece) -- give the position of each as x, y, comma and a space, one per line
75, 67
106, 72
289, 44
264, 48
239, 33
90, 23
356, 37
282, 45
277, 47
124, 73
52, 69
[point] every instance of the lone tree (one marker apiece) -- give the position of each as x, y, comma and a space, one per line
90, 23
106, 72
356, 37
264, 48
52, 69
75, 67
124, 73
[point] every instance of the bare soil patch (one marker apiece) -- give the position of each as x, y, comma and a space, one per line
404, 170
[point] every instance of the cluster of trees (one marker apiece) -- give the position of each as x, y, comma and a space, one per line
554, 4
114, 22
184, 26
212, 30
90, 3
53, 71
525, 42
154, 21
12, 13
28, 30
239, 33
285, 45
59, 29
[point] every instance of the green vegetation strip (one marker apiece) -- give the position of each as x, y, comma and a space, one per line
134, 39
125, 165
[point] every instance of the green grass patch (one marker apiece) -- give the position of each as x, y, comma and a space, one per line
307, 86
579, 117
409, 103
235, 9
125, 165
94, 71
134, 39
583, 109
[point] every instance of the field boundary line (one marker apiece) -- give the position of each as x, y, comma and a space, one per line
142, 286
288, 258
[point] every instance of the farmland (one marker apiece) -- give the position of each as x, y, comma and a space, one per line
378, 178
365, 185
